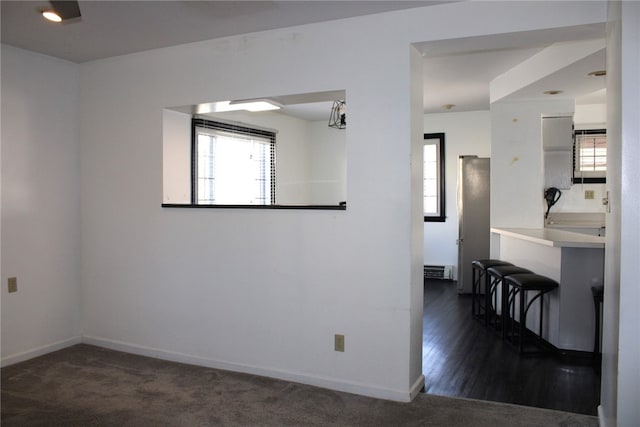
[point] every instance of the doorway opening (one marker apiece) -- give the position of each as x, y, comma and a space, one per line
460, 357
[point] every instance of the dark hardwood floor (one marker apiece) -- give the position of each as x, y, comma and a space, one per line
461, 358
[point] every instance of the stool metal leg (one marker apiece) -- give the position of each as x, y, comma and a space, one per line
505, 308
477, 305
487, 299
523, 314
596, 338
523, 320
541, 313
473, 292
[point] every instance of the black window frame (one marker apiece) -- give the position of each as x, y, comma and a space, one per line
198, 122
442, 217
586, 180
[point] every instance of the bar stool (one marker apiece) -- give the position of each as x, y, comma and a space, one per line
478, 279
519, 285
495, 276
598, 299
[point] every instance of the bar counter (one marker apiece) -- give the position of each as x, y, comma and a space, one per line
576, 262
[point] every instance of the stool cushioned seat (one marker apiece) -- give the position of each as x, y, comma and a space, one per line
483, 264
532, 281
507, 270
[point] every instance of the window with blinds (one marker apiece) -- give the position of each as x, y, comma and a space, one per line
232, 164
590, 156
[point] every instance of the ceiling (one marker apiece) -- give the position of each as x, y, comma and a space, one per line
455, 71
458, 71
111, 28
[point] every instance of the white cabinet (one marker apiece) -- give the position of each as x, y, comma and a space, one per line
558, 169
557, 133
557, 145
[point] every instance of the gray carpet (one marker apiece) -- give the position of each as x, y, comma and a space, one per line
90, 386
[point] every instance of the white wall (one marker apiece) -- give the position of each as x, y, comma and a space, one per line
572, 199
517, 178
328, 164
266, 291
259, 291
590, 116
176, 157
466, 133
629, 344
621, 347
40, 205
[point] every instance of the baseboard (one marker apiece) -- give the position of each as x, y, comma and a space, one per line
602, 421
416, 388
329, 383
39, 351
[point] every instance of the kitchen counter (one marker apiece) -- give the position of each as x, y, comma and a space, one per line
553, 237
576, 262
592, 223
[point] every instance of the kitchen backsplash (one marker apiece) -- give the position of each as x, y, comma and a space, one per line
573, 199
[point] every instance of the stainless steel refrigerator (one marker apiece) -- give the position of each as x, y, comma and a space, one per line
473, 216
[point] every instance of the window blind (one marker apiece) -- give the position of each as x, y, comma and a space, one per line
208, 160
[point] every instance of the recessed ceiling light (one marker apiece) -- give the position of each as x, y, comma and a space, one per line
255, 105
51, 16
448, 106
252, 105
598, 73
552, 92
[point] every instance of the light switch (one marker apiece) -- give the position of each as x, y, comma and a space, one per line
13, 284
589, 194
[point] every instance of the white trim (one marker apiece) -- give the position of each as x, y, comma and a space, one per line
329, 383
233, 123
39, 351
416, 387
602, 422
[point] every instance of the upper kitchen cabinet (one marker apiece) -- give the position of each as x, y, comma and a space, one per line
557, 144
557, 133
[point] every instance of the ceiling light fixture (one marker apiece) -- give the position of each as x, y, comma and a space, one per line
598, 73
252, 105
338, 118
552, 92
62, 11
51, 15
255, 105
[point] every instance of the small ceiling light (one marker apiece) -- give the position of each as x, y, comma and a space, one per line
51, 15
252, 105
598, 73
552, 92
256, 105
338, 118
448, 106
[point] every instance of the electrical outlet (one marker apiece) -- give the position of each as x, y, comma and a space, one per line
589, 194
338, 342
13, 284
